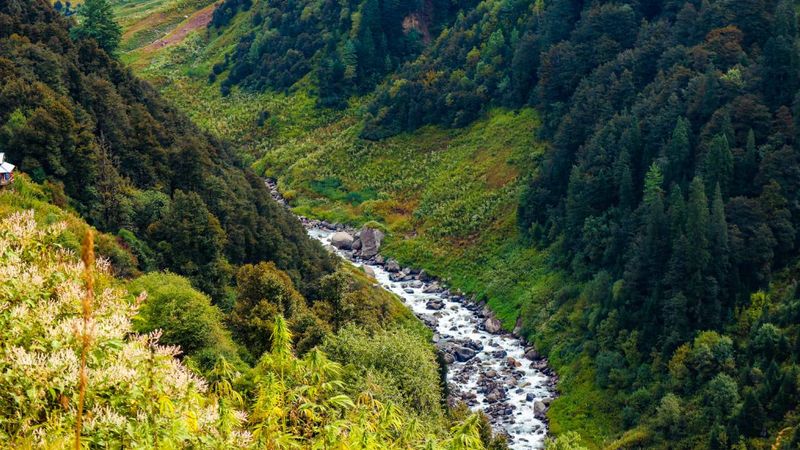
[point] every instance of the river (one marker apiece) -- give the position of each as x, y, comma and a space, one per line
491, 372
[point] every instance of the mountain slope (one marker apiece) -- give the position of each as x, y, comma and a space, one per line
75, 116
656, 244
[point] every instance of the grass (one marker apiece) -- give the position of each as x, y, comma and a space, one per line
447, 197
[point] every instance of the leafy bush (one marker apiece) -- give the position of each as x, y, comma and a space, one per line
185, 317
401, 358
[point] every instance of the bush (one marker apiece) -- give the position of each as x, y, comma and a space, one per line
185, 316
403, 359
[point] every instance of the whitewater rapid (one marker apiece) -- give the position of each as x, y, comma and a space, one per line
499, 366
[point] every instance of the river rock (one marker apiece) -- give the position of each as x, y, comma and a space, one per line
423, 276
435, 305
378, 259
530, 397
539, 408
408, 291
370, 242
342, 240
356, 245
464, 354
392, 266
492, 325
532, 354
513, 362
431, 288
369, 271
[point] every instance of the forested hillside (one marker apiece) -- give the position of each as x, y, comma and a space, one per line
200, 315
347, 46
617, 179
90, 360
76, 118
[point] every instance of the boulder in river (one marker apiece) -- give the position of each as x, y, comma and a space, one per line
539, 409
435, 305
356, 245
431, 288
342, 240
370, 242
464, 354
532, 354
369, 271
492, 325
392, 266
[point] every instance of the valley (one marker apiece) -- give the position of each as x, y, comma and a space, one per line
486, 224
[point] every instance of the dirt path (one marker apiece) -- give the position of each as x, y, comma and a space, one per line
200, 19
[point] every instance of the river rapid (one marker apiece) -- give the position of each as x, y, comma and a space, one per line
488, 369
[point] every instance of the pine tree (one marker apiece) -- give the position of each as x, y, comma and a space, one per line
678, 151
718, 165
705, 313
97, 22
718, 244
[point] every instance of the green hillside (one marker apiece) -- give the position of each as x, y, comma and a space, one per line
619, 176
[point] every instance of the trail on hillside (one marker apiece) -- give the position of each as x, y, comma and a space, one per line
200, 19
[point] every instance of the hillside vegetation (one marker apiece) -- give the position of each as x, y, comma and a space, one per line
72, 359
209, 318
640, 223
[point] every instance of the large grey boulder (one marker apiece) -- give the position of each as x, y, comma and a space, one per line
539, 409
370, 242
342, 240
492, 325
392, 266
464, 354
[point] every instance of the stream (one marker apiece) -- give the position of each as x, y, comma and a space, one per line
488, 369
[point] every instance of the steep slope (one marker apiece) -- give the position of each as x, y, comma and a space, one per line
128, 160
79, 352
665, 200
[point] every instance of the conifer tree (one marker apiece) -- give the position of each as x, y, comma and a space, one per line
97, 22
718, 165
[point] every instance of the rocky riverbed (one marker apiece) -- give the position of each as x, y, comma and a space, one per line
489, 369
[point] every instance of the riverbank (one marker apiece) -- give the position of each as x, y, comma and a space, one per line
489, 369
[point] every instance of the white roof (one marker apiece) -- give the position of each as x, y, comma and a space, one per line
4, 166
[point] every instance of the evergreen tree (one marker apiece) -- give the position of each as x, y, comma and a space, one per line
718, 245
705, 312
718, 165
678, 151
97, 22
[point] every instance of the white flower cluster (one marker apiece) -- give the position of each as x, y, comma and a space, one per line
137, 391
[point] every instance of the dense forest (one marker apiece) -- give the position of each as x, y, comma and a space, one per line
108, 145
349, 46
666, 203
669, 190
155, 296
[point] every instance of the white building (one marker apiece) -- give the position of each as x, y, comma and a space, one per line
6, 171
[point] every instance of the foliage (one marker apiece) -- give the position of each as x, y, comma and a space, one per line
402, 360
666, 196
348, 45
186, 318
97, 22
138, 393
73, 115
136, 390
